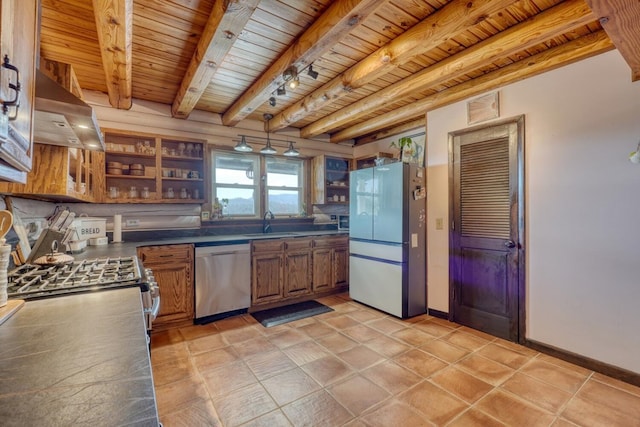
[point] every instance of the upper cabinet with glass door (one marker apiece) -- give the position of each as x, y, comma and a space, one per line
330, 180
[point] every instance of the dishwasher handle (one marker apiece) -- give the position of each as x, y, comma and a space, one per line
204, 251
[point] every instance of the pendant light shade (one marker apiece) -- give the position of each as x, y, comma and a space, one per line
291, 152
268, 149
243, 146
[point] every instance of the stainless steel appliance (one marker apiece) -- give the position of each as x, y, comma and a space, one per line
387, 238
223, 281
31, 281
343, 222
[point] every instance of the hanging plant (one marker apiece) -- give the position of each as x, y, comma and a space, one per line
404, 144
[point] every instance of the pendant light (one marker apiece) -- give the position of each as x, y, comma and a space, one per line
268, 149
291, 152
243, 146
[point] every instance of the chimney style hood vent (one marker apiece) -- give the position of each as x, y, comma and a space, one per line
62, 118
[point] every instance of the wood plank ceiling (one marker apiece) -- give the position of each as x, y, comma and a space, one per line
381, 64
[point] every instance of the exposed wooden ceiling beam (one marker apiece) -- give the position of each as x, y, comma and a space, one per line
385, 133
339, 19
576, 50
114, 22
551, 23
621, 20
437, 28
217, 38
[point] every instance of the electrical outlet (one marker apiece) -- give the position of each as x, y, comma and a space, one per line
132, 223
439, 223
334, 217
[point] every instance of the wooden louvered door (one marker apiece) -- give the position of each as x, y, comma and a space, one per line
486, 251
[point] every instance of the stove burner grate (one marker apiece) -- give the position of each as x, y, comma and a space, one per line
29, 280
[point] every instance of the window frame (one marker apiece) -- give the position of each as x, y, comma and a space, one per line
261, 189
301, 188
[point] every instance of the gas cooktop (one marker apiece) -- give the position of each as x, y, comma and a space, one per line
31, 281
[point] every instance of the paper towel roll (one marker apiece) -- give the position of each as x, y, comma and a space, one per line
117, 228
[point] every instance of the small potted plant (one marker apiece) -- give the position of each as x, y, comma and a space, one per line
404, 144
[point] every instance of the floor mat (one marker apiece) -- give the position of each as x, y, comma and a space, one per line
289, 313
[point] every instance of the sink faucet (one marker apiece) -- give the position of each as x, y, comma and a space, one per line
266, 224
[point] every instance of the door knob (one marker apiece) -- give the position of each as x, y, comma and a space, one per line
510, 244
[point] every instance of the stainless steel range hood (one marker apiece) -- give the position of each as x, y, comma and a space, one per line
62, 118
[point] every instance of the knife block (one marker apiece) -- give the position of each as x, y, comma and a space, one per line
44, 242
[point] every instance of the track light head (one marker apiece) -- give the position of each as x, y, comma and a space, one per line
281, 91
310, 72
272, 101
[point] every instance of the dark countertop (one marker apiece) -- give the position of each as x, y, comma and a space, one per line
77, 360
128, 248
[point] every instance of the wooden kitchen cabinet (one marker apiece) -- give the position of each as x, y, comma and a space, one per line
331, 180
19, 25
173, 269
267, 259
61, 173
298, 268
369, 161
330, 263
149, 168
297, 276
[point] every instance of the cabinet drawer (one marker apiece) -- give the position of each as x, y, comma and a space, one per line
275, 245
330, 242
165, 253
295, 244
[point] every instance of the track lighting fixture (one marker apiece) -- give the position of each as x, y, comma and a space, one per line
268, 149
290, 73
290, 76
292, 79
272, 101
310, 72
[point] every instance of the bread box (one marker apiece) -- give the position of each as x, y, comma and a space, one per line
88, 227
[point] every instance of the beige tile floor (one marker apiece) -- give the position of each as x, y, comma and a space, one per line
359, 367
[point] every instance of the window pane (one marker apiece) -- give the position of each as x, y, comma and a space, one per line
284, 173
235, 180
241, 201
283, 202
284, 186
230, 169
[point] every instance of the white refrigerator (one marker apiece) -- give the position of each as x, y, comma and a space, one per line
387, 238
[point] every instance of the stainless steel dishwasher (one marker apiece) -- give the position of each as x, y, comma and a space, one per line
223, 281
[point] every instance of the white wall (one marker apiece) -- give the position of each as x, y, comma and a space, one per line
582, 207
